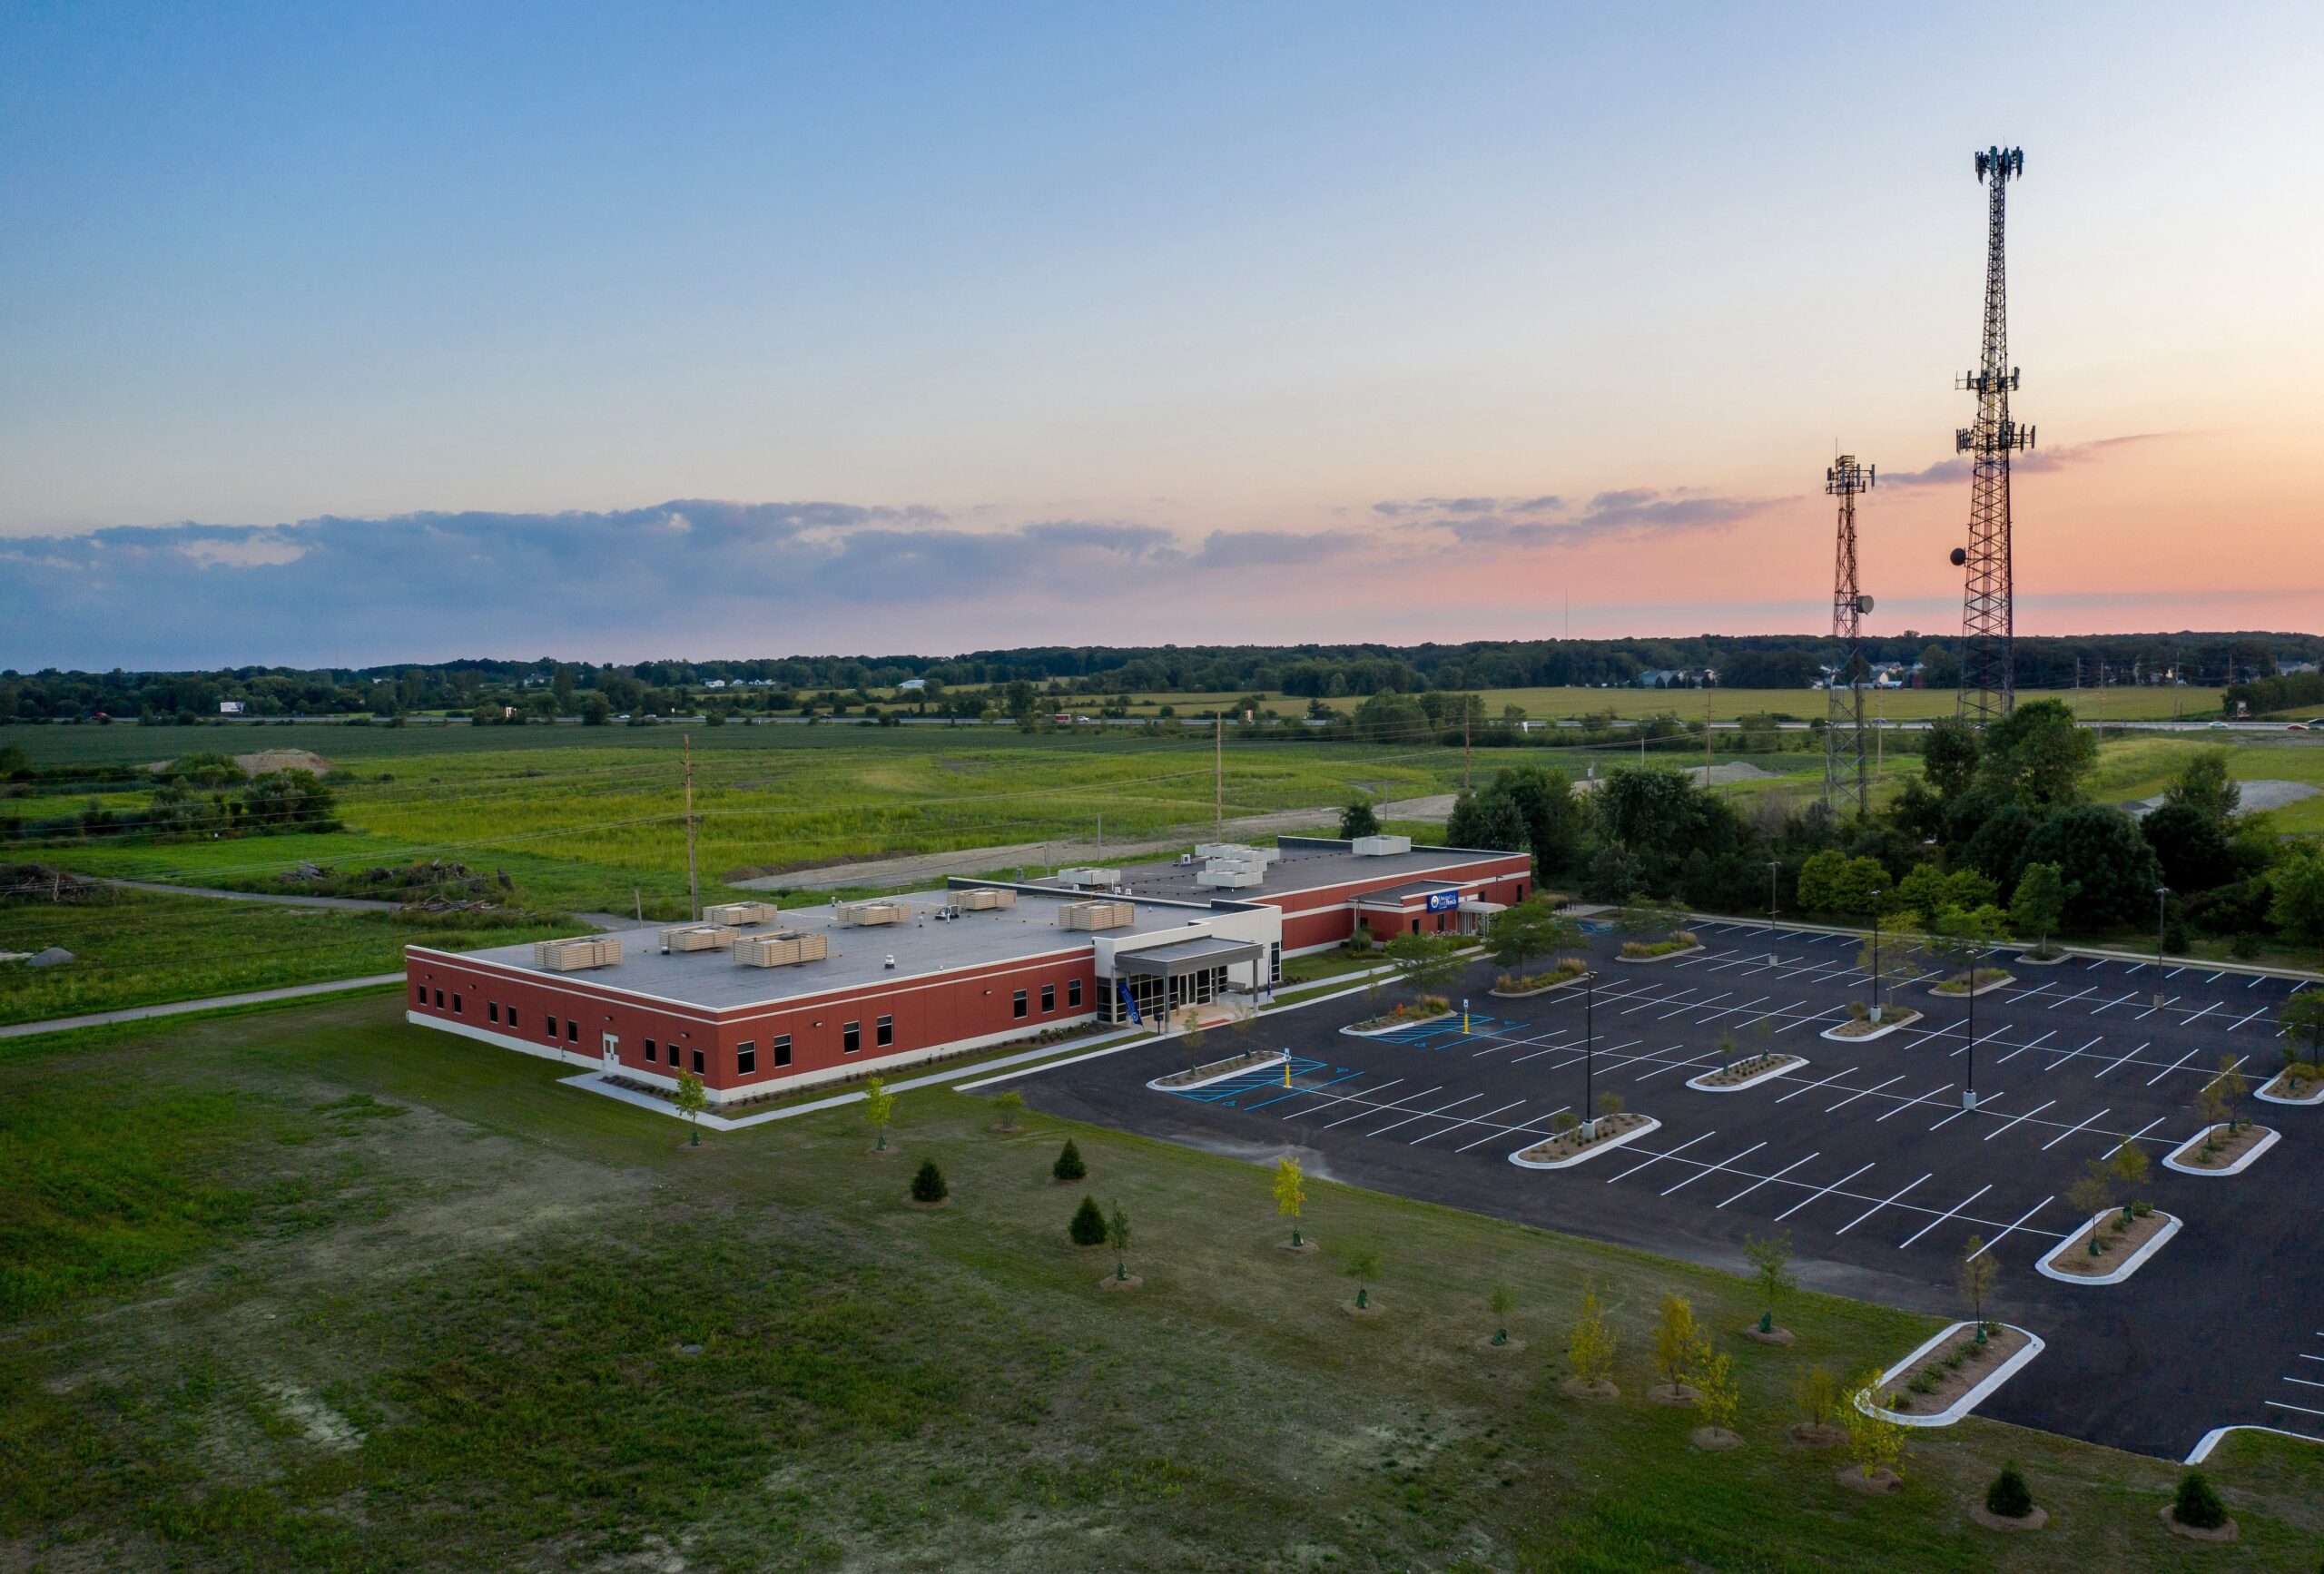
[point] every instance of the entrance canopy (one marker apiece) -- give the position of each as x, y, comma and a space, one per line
1181, 958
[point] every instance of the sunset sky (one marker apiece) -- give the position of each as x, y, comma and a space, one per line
343, 335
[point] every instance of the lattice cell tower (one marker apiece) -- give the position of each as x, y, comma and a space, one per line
1844, 747
1988, 680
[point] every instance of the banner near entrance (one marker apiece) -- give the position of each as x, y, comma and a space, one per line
1443, 900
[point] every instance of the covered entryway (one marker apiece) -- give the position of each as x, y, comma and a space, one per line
1161, 978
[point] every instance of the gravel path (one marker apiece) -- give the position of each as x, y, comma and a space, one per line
180, 1008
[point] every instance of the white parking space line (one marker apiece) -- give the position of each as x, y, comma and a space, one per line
1471, 1120
2142, 1130
2165, 1002
1343, 1098
1578, 1059
2029, 1114
2175, 1066
2111, 1064
2029, 994
1693, 1006
2199, 1016
2070, 999
1423, 1115
2099, 963
1504, 1131
2302, 1409
2012, 1229
1764, 1179
1763, 1016
2070, 1054
1375, 1110
1867, 1093
1654, 1159
2110, 1005
1820, 1193
1876, 1207
1705, 1058
1947, 1213
1965, 1109
1714, 1169
2022, 1048
1819, 1082
1923, 1098
1663, 1000
2234, 1065
2215, 978
2071, 1130
2174, 972
2239, 1022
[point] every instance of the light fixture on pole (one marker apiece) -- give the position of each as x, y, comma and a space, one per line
2162, 924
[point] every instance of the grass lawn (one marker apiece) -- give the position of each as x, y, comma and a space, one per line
143, 949
2139, 768
2141, 704
402, 1302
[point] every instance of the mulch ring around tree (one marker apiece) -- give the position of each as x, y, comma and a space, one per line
1575, 1141
1772, 1337
1714, 1440
1110, 1282
939, 1203
1580, 1390
1810, 1434
1875, 1483
1681, 1394
1304, 1248
2117, 1240
2034, 1519
2216, 1149
1938, 1378
1512, 1345
1891, 1019
1745, 1069
2227, 1533
1365, 1313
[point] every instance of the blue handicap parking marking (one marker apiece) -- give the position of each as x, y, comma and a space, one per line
1227, 1091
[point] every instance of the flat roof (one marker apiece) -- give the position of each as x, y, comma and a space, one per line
920, 945
1185, 956
1305, 864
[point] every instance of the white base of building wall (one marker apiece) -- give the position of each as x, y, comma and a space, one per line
503, 1041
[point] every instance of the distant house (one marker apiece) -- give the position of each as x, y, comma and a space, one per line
229, 707
911, 687
2289, 669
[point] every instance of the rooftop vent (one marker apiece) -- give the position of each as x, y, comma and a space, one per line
1237, 852
983, 899
1222, 874
1380, 846
1090, 879
1095, 915
863, 914
740, 914
575, 955
783, 948
696, 937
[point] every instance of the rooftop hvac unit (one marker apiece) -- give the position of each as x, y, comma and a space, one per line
983, 899
1090, 879
697, 938
863, 914
1380, 846
1231, 876
1095, 915
739, 913
573, 955
1237, 852
783, 948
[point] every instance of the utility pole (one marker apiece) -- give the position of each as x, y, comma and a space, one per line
1466, 702
1773, 864
693, 883
1988, 614
1706, 729
1218, 775
1844, 722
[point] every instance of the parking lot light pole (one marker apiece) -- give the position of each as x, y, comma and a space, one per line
2161, 922
1876, 964
1969, 1050
1773, 864
1590, 1050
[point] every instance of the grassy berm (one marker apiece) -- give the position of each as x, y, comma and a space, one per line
312, 1289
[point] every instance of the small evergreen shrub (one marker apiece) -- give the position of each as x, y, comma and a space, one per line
1089, 1226
1068, 1166
2008, 1498
2197, 1505
928, 1186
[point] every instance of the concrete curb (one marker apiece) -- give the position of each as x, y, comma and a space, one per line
2218, 1435
1587, 1153
2269, 1137
1897, 1024
1968, 1402
1783, 1063
2137, 1259
1281, 1057
2304, 1101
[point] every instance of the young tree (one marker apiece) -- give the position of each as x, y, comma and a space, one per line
1723, 1048
1088, 1227
1875, 1443
1977, 1277
1361, 1264
2197, 1505
1358, 820
1589, 1348
1117, 1237
2128, 1164
1502, 1302
2093, 1194
1007, 1107
1424, 963
2303, 1015
1068, 1166
1530, 930
879, 1111
1290, 1195
2039, 905
927, 1184
1770, 1263
1676, 1342
1721, 1400
692, 1101
2009, 1498
1816, 1393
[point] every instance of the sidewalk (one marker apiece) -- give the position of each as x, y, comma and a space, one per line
182, 1008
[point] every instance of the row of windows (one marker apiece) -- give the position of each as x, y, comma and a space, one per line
1023, 1002
496, 1013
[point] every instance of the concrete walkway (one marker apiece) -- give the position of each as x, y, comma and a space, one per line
181, 1008
273, 898
925, 868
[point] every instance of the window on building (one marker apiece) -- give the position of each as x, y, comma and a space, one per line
423, 992
850, 1038
651, 1058
747, 1058
491, 1011
884, 1032
512, 1019
781, 1050
1274, 962
572, 1031
1415, 926
697, 1063
456, 1003
439, 999
1073, 992
1020, 1002
1049, 998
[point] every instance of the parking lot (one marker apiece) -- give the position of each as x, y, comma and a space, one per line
1866, 1155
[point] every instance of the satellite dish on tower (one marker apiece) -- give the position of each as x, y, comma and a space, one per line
1863, 603
1959, 557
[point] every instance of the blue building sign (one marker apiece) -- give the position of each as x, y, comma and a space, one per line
1443, 900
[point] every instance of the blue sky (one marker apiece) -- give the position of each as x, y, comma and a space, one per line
348, 334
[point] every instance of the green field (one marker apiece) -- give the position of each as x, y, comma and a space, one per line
2116, 705
402, 1302
142, 947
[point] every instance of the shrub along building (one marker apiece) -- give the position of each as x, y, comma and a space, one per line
755, 1001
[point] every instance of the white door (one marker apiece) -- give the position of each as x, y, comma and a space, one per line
613, 1051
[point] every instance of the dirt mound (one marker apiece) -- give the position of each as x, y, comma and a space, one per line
265, 759
38, 879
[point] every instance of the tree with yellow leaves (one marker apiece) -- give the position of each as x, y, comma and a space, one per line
1291, 1194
